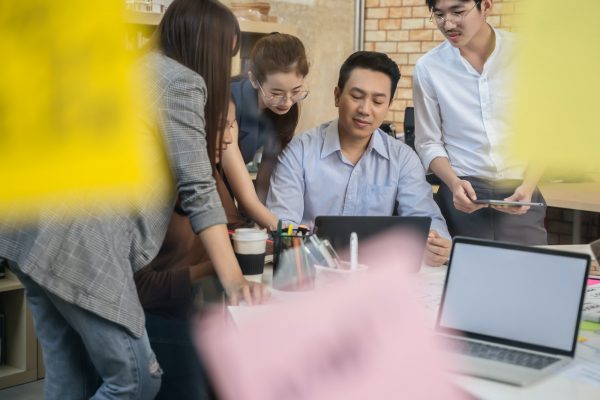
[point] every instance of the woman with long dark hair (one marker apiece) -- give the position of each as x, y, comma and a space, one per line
191, 67
267, 113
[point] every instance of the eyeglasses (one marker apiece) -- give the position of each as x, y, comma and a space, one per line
456, 17
279, 99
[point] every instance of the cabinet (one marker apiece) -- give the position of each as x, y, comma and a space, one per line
21, 358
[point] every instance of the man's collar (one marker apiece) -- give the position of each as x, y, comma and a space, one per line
376, 143
331, 143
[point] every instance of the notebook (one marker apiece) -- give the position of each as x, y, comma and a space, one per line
337, 229
511, 313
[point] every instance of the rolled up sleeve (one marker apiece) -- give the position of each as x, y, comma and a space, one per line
184, 128
414, 196
428, 124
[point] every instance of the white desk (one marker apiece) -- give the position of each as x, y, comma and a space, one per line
559, 386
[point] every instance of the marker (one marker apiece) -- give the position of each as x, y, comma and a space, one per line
302, 229
353, 250
290, 229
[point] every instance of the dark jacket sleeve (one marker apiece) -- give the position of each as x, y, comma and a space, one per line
165, 291
164, 286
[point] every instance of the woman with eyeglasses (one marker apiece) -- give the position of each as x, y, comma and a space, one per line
267, 113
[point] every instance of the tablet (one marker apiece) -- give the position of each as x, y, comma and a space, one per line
492, 202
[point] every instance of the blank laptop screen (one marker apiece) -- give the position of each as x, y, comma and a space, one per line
513, 294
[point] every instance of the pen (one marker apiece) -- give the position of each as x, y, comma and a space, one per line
302, 229
298, 261
353, 250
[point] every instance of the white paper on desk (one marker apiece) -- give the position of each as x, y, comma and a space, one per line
364, 339
431, 283
584, 371
591, 305
586, 368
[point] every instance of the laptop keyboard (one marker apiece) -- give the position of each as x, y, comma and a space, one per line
501, 354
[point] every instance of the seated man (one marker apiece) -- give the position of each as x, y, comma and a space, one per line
350, 167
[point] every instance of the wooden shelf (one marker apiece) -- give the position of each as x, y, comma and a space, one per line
21, 345
265, 27
142, 18
10, 282
153, 19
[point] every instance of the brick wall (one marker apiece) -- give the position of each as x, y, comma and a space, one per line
401, 28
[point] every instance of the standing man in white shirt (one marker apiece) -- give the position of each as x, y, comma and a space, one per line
462, 96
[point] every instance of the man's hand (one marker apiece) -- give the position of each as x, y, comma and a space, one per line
437, 250
522, 193
463, 195
251, 292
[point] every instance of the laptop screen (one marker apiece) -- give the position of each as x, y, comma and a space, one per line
337, 229
514, 293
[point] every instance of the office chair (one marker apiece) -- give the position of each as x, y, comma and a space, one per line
409, 138
409, 126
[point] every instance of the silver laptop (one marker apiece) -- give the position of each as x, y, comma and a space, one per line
511, 313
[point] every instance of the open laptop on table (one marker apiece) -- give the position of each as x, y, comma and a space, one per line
337, 229
511, 313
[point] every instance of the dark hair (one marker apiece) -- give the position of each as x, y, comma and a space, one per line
432, 3
200, 34
374, 61
279, 52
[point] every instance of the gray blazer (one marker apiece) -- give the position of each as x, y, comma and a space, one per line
89, 260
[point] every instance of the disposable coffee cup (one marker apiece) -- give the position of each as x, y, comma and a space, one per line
250, 245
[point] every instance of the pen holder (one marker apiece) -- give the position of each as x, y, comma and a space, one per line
327, 276
293, 265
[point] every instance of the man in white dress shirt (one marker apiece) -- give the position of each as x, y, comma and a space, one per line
462, 97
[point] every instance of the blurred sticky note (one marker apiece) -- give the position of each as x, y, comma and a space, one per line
589, 326
557, 112
68, 105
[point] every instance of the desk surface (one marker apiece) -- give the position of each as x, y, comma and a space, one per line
583, 196
565, 384
559, 386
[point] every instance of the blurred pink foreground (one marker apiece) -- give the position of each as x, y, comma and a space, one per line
364, 339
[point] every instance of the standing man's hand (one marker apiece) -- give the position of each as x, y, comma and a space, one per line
437, 250
463, 195
522, 193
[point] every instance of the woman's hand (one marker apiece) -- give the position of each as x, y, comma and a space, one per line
251, 292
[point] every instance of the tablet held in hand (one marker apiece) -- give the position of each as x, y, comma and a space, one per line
492, 202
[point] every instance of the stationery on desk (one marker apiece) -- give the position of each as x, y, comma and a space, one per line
332, 343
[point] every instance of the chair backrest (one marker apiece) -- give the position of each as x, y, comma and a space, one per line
409, 126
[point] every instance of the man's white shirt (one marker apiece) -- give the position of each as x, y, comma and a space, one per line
464, 115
